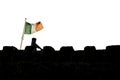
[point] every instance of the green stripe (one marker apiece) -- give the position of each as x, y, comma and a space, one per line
28, 27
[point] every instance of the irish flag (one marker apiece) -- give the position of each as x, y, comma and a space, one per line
32, 28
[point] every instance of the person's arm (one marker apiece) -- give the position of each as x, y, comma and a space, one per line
38, 47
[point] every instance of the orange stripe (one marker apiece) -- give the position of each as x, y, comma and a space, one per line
39, 26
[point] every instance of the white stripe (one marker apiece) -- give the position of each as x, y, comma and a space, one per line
33, 28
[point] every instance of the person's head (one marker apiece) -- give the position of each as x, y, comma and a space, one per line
33, 40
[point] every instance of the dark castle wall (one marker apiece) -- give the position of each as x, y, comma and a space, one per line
63, 64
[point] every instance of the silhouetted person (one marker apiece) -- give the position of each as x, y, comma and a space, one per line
34, 45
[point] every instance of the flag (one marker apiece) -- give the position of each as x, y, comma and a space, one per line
32, 28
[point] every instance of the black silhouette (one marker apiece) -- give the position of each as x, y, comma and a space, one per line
30, 64
34, 45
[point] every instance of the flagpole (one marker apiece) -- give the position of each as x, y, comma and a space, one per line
22, 35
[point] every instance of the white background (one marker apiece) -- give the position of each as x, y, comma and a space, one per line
76, 23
